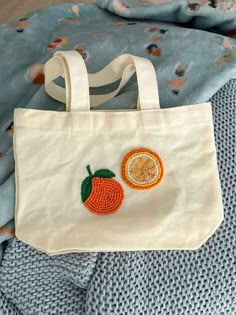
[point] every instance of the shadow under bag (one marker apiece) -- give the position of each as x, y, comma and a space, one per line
126, 180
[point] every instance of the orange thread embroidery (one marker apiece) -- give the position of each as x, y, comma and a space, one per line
101, 193
106, 196
142, 169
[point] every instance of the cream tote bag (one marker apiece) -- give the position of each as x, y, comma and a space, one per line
144, 179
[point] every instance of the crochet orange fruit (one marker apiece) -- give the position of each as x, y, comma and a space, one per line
100, 193
142, 169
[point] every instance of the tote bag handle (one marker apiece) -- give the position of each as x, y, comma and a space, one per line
55, 68
71, 65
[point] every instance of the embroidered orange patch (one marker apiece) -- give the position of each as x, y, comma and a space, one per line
101, 193
142, 169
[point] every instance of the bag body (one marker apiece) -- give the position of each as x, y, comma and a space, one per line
114, 180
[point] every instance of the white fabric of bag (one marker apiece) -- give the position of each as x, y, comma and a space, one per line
52, 151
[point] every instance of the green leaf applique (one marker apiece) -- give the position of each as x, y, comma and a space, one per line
86, 188
104, 173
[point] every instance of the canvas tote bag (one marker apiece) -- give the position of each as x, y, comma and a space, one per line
124, 180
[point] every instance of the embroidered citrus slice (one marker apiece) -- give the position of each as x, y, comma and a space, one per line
100, 193
142, 169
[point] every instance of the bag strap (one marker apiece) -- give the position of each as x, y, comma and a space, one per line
72, 67
70, 64
53, 69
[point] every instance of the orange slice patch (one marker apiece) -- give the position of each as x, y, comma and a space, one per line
142, 169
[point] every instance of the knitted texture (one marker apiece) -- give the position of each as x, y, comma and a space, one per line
6, 307
37, 284
199, 282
